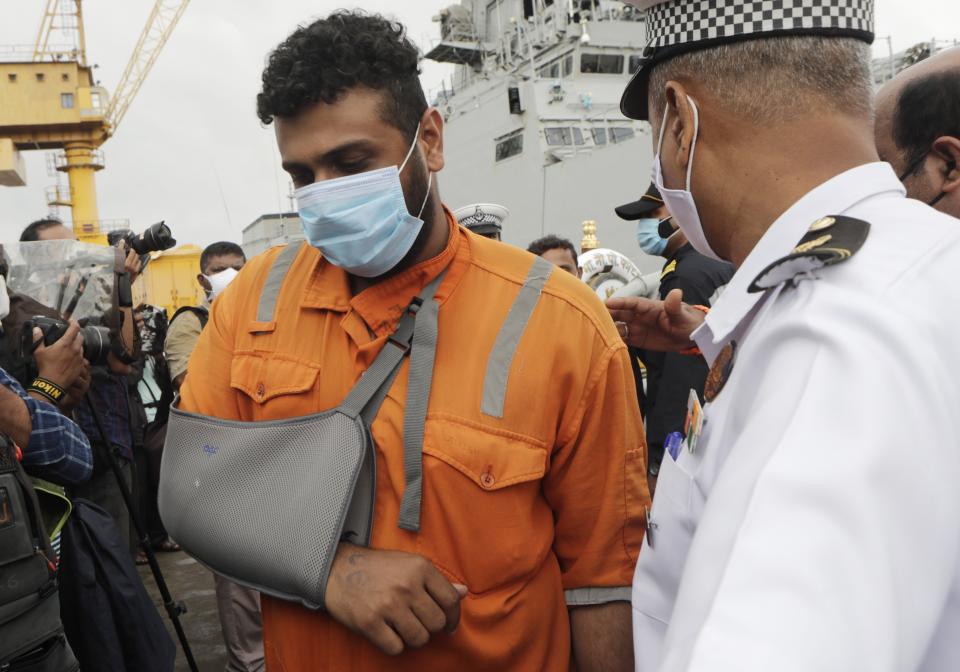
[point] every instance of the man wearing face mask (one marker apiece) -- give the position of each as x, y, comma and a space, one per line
918, 129
670, 375
504, 537
789, 532
219, 265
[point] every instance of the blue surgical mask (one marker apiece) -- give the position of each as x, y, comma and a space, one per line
361, 222
648, 236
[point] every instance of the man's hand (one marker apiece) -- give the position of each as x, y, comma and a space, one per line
78, 390
116, 366
394, 599
61, 363
132, 264
664, 326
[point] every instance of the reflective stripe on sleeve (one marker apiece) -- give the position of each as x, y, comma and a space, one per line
581, 597
505, 347
271, 288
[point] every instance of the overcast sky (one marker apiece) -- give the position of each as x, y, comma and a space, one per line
191, 150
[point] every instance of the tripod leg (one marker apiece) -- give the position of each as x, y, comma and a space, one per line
174, 609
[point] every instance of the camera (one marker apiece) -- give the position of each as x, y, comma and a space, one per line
155, 239
96, 340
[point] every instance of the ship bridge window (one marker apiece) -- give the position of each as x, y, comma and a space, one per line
601, 64
621, 133
599, 136
551, 71
558, 136
564, 135
509, 146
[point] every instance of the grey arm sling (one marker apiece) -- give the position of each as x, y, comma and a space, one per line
265, 504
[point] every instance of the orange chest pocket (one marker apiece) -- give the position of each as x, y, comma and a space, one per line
275, 386
485, 520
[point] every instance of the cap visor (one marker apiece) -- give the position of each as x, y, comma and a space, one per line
633, 103
637, 209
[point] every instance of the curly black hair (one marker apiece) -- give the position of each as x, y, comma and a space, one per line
319, 62
551, 242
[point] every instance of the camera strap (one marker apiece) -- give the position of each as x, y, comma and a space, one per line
122, 298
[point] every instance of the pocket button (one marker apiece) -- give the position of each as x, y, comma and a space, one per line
487, 480
261, 390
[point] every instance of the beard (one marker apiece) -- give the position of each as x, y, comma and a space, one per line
416, 194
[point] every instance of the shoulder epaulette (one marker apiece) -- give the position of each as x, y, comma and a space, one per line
829, 241
668, 269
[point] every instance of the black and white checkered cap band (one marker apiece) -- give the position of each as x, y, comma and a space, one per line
686, 21
480, 218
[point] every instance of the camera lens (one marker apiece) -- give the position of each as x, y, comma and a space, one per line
155, 239
96, 344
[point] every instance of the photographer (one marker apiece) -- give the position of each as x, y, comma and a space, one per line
52, 446
35, 437
109, 394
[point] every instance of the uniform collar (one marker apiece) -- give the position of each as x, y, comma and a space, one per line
833, 197
381, 305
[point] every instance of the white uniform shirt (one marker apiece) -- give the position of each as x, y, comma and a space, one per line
816, 528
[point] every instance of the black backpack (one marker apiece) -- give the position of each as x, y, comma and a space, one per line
161, 371
31, 634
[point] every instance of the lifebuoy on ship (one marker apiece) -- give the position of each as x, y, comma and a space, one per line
610, 273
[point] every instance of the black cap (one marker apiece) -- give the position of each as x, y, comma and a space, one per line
676, 27
647, 203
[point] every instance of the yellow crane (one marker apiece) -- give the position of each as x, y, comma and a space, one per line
51, 101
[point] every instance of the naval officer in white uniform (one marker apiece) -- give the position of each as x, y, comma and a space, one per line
812, 524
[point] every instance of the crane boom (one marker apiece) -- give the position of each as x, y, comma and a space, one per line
163, 19
65, 16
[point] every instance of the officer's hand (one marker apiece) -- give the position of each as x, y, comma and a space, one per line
394, 599
664, 326
61, 363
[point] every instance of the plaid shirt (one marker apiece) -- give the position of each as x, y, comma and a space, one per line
58, 449
109, 394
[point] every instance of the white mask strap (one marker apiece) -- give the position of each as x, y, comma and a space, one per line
416, 136
663, 128
696, 135
427, 196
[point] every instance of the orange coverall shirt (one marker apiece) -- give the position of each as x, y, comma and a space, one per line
549, 498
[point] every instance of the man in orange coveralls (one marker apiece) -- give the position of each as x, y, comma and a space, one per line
534, 496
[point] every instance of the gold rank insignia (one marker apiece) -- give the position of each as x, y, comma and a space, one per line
720, 372
822, 224
668, 269
828, 241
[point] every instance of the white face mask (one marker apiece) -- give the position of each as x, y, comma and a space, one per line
680, 202
4, 298
219, 281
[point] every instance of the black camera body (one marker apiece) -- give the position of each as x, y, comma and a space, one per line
96, 340
155, 239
